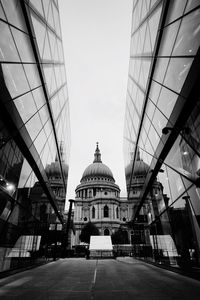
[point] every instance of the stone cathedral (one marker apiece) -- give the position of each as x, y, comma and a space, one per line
98, 200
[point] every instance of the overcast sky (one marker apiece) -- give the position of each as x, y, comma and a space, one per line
96, 41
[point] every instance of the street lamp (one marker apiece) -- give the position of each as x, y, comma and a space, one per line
185, 130
65, 240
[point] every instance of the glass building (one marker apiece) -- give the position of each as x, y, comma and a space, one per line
162, 123
34, 130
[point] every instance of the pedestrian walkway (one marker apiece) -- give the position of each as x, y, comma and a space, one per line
78, 278
192, 273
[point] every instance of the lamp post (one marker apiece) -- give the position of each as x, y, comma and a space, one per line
65, 240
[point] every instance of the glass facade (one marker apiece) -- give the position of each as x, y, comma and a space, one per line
34, 129
162, 122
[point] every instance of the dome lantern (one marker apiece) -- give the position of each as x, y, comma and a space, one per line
97, 155
97, 169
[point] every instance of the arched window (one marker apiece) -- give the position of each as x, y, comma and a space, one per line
93, 212
106, 231
105, 211
117, 212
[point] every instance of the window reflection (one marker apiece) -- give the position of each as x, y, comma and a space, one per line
34, 126
15, 79
177, 72
32, 75
8, 51
13, 13
40, 31
22, 41
184, 159
26, 106
187, 42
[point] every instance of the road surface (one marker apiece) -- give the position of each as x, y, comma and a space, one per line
78, 278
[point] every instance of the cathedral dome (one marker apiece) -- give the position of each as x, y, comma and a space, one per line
140, 167
97, 168
53, 170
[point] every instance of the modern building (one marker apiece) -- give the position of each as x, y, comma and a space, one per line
162, 124
34, 129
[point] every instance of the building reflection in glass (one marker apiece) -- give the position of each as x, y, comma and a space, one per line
162, 122
34, 132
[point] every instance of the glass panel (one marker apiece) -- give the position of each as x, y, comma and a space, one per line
154, 91
8, 51
46, 52
40, 141
163, 178
46, 7
184, 159
176, 9
50, 16
191, 4
44, 114
2, 16
55, 106
39, 33
15, 79
56, 20
177, 72
193, 125
25, 172
159, 121
175, 183
26, 106
14, 13
166, 101
194, 194
154, 137
160, 69
50, 78
144, 73
38, 5
187, 42
153, 24
38, 95
150, 109
34, 126
147, 42
48, 128
23, 44
32, 75
168, 39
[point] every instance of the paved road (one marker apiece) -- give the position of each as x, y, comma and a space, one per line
74, 279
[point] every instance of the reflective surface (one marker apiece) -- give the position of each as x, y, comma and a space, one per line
34, 132
162, 63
